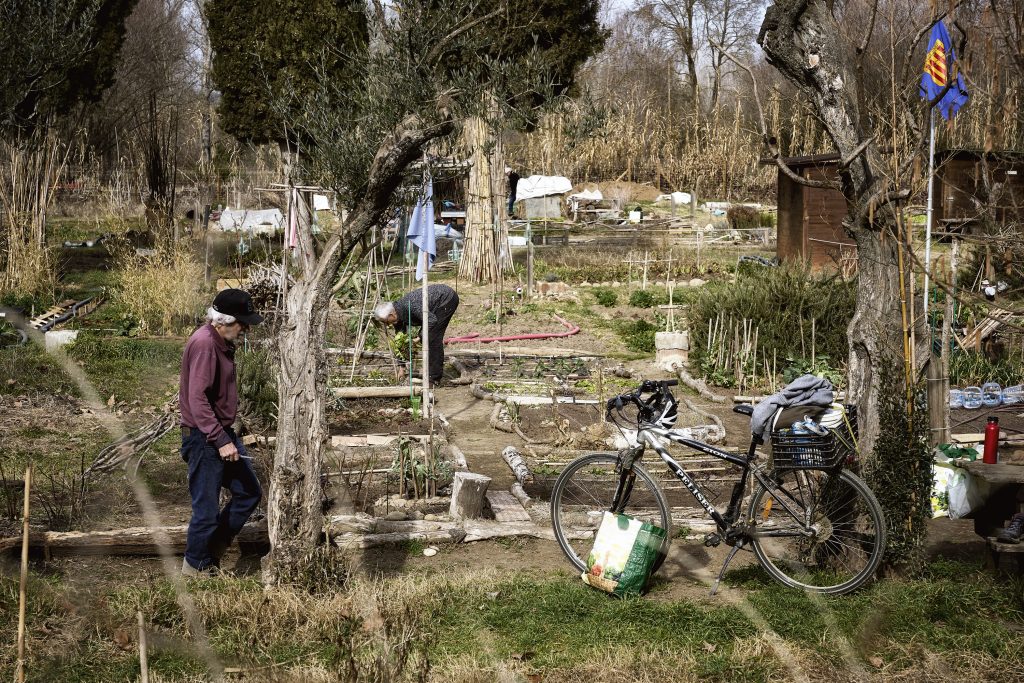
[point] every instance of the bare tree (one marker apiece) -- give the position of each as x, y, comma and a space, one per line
680, 22
728, 24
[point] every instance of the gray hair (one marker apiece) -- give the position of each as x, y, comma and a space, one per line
383, 311
218, 319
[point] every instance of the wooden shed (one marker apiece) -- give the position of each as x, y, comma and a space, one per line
961, 197
810, 219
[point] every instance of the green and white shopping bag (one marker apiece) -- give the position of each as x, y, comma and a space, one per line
625, 550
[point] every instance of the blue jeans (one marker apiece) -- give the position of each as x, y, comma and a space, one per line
211, 529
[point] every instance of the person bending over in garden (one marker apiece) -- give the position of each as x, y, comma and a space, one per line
407, 312
216, 458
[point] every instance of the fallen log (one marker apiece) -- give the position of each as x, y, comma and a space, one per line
453, 535
131, 541
482, 530
339, 525
518, 464
458, 457
699, 386
520, 493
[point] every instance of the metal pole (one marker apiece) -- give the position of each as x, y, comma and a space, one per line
928, 225
425, 401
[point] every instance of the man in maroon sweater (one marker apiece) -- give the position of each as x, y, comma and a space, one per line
216, 458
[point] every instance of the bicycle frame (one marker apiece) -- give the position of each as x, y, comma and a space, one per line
650, 435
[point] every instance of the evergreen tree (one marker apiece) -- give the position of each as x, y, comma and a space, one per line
268, 53
57, 54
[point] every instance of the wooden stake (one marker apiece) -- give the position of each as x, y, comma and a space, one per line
143, 655
814, 329
24, 576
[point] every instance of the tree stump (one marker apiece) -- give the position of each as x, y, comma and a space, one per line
468, 494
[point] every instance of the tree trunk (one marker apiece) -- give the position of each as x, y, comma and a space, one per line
875, 332
295, 506
479, 259
294, 502
802, 40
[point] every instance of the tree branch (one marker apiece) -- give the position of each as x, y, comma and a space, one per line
769, 140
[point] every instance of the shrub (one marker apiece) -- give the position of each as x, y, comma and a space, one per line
645, 298
743, 218
257, 386
781, 303
606, 297
638, 335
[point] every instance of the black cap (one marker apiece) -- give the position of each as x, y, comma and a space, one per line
237, 304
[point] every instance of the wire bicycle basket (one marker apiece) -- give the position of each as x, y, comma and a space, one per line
799, 451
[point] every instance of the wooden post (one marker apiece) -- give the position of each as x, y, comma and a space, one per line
24, 576
646, 261
938, 379
468, 493
529, 260
143, 654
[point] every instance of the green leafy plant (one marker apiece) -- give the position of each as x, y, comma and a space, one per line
411, 465
638, 335
606, 297
643, 298
821, 367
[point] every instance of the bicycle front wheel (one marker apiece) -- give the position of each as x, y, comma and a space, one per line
833, 543
584, 491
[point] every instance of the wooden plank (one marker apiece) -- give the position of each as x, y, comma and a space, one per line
999, 473
1008, 548
375, 392
506, 507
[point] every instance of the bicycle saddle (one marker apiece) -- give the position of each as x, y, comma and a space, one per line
743, 409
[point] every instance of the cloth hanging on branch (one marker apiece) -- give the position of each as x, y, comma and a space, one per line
421, 227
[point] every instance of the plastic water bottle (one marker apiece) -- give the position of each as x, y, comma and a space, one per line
1013, 395
991, 394
956, 399
972, 398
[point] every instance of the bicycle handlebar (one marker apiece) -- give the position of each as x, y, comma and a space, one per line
656, 387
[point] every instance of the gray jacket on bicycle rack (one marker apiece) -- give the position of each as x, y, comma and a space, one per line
807, 390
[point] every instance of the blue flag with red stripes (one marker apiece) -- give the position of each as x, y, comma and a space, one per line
938, 66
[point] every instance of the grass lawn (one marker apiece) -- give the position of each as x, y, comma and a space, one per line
485, 625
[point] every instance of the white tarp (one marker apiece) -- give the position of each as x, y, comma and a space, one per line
676, 198
257, 221
321, 202
587, 196
542, 186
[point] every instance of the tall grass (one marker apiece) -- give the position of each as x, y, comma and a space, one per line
163, 291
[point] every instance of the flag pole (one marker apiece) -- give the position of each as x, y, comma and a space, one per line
928, 224
425, 328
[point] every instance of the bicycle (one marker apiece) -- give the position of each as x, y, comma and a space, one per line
810, 522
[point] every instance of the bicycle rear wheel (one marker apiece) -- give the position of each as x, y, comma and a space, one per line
836, 541
584, 491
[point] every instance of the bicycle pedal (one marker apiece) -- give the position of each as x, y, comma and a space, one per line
712, 540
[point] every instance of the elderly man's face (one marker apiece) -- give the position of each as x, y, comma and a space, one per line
392, 318
233, 331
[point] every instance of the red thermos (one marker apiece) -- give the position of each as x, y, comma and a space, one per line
991, 441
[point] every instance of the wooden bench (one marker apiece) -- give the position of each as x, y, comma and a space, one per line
997, 550
1006, 497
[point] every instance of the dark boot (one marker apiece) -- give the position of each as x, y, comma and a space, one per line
1014, 531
